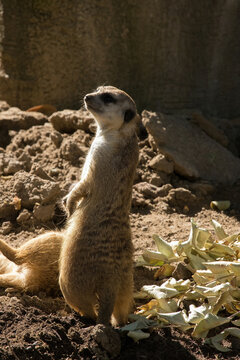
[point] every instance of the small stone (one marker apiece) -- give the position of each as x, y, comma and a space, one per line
138, 200
107, 338
23, 216
160, 163
146, 189
13, 167
54, 172
43, 213
164, 190
4, 105
38, 170
6, 227
181, 197
156, 180
71, 151
56, 138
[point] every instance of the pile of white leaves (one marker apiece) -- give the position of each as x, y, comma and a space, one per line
213, 289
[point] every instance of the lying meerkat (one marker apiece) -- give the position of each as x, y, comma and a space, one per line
34, 265
96, 275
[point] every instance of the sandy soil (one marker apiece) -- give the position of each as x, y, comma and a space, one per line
43, 327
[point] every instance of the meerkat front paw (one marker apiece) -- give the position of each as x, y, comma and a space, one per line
71, 202
76, 194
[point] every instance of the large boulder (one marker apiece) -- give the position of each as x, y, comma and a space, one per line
195, 155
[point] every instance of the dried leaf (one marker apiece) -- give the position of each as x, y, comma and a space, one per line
219, 230
220, 205
138, 335
163, 247
215, 282
197, 313
165, 270
178, 318
215, 341
139, 324
154, 258
209, 322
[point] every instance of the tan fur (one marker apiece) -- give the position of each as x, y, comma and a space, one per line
33, 266
96, 276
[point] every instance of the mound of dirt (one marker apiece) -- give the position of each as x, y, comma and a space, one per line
38, 164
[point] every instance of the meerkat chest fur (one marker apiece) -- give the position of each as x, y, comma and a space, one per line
110, 163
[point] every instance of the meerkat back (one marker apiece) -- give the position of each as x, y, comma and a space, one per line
96, 276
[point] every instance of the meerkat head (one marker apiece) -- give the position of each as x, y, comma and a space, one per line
112, 108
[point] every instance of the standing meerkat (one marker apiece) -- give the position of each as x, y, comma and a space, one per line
96, 274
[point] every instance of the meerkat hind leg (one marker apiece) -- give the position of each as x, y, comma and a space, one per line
84, 305
106, 305
87, 309
123, 305
14, 280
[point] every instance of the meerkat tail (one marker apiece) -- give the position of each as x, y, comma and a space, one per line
10, 252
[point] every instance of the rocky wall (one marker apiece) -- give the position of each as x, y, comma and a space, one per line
167, 54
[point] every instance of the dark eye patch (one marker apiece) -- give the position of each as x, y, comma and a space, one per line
129, 115
107, 98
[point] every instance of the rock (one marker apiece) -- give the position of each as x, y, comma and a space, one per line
4, 106
70, 150
181, 197
9, 165
7, 210
38, 170
56, 138
152, 143
156, 180
23, 216
138, 200
70, 120
160, 163
194, 154
15, 119
164, 190
43, 213
13, 166
107, 338
143, 158
32, 189
7, 206
146, 189
6, 227
202, 189
210, 129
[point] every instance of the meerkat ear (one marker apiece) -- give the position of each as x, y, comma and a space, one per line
129, 115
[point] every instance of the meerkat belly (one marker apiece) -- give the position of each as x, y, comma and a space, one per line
101, 249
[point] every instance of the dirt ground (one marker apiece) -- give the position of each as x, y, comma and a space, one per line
43, 327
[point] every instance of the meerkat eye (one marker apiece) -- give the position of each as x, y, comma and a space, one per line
107, 98
129, 115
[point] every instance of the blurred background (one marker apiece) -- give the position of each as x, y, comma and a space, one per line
167, 54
